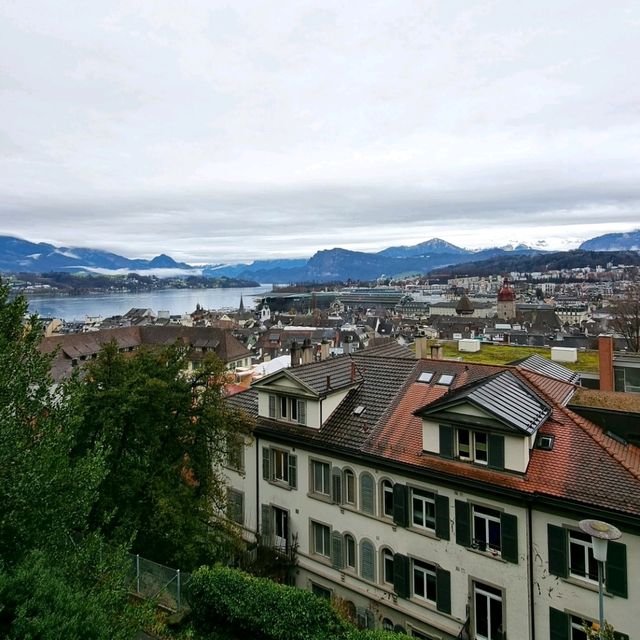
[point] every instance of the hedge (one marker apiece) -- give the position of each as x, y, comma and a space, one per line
220, 596
223, 598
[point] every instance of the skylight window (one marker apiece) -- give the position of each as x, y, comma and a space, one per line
426, 376
446, 379
359, 410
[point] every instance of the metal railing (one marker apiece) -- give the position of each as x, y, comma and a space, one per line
154, 581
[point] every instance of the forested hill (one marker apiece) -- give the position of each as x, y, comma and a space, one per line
540, 262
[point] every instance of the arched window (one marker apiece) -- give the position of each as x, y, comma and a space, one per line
367, 485
349, 491
387, 624
387, 566
349, 552
368, 560
386, 498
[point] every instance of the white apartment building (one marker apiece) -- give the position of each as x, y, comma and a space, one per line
441, 498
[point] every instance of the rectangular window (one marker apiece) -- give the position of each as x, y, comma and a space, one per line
387, 566
235, 505
578, 628
321, 539
582, 564
235, 452
473, 445
320, 472
349, 487
464, 444
486, 529
289, 408
350, 550
387, 499
280, 465
321, 592
480, 448
487, 602
424, 581
423, 507
281, 528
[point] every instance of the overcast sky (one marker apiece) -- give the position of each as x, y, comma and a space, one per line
218, 131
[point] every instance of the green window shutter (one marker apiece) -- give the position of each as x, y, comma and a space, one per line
265, 522
368, 561
367, 493
401, 575
272, 406
293, 471
442, 517
400, 505
558, 624
509, 537
336, 485
302, 412
557, 548
463, 523
616, 569
446, 441
337, 559
496, 451
443, 590
266, 463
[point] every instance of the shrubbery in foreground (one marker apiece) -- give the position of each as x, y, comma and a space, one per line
223, 597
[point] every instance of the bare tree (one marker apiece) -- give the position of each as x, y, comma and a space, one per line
625, 317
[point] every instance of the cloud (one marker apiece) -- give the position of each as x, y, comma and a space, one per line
222, 131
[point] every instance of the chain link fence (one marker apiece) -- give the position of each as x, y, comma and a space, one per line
154, 581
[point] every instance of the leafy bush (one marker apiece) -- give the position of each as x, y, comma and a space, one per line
220, 596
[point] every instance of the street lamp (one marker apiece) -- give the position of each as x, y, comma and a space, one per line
600, 533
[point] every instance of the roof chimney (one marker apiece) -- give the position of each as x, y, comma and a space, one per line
437, 352
307, 351
605, 354
295, 354
324, 349
353, 371
421, 347
328, 382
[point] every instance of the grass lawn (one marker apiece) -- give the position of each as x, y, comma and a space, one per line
503, 354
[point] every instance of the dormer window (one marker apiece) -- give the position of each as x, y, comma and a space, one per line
288, 408
425, 376
480, 447
472, 445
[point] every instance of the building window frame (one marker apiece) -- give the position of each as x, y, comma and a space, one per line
472, 446
350, 490
581, 549
424, 581
350, 553
386, 498
386, 565
490, 598
280, 465
320, 481
320, 540
423, 509
487, 529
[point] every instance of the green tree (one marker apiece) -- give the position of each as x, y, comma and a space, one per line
166, 433
56, 577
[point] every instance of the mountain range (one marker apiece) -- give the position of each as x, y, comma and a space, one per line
17, 255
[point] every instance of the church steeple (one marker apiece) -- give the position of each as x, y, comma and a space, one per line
241, 308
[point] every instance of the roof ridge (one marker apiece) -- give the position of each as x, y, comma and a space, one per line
603, 440
539, 373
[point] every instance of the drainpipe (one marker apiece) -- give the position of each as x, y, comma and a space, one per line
258, 476
531, 585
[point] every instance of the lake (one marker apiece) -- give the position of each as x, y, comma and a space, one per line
176, 301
